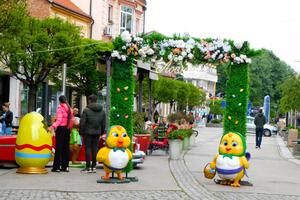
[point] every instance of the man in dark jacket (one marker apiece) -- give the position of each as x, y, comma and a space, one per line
259, 122
92, 125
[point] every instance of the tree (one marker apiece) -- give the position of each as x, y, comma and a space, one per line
164, 90
290, 94
82, 71
12, 13
181, 94
41, 48
215, 107
196, 96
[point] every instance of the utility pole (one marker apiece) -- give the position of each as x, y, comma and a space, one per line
64, 74
108, 69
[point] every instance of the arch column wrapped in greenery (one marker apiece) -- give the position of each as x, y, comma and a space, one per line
121, 97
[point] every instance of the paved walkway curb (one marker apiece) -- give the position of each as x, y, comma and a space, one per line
111, 195
187, 182
285, 152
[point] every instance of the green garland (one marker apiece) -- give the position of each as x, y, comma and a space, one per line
122, 90
237, 99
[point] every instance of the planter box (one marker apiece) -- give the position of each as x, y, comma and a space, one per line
193, 140
181, 145
144, 141
186, 143
296, 150
174, 149
292, 136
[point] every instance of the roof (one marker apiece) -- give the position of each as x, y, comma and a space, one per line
69, 5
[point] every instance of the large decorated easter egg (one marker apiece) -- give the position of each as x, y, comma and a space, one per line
33, 144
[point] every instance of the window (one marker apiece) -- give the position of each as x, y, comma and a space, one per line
126, 19
137, 26
110, 13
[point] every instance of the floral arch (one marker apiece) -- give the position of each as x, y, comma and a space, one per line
178, 51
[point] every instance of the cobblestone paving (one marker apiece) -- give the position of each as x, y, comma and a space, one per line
253, 196
114, 195
187, 182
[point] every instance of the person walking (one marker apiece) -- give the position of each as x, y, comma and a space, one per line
62, 127
259, 122
92, 125
6, 119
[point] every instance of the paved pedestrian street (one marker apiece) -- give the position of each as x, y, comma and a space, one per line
272, 176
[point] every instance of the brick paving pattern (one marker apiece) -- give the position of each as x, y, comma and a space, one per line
113, 195
254, 196
187, 182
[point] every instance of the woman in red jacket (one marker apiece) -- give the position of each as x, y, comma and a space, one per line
62, 127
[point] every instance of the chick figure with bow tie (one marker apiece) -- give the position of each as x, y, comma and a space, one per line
116, 154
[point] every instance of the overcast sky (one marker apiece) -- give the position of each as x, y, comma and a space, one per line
271, 24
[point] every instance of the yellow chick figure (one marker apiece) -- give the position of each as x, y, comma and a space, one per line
115, 155
231, 161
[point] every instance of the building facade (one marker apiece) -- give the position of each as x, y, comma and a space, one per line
64, 9
97, 19
112, 17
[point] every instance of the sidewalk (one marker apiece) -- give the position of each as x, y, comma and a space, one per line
273, 177
155, 182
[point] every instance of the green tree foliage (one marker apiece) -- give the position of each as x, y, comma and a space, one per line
82, 71
196, 96
215, 107
290, 99
39, 49
12, 13
266, 73
164, 90
167, 90
182, 94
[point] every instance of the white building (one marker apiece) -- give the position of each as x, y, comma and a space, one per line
202, 76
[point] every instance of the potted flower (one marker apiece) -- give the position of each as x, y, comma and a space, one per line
186, 139
193, 138
143, 138
174, 139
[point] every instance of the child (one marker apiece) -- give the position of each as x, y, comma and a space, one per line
75, 141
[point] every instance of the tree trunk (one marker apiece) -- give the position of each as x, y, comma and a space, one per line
32, 98
171, 106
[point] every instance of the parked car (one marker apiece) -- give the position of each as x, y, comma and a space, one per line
8, 143
268, 128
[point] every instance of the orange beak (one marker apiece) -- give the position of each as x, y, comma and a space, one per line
228, 149
120, 142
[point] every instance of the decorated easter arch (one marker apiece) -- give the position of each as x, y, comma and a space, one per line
179, 51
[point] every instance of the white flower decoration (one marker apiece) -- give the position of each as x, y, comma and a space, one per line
123, 58
115, 54
170, 56
190, 56
238, 45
